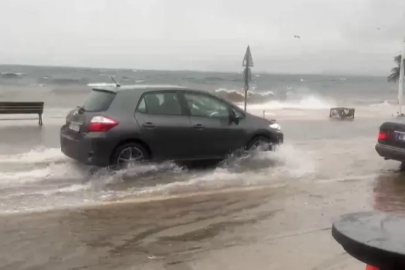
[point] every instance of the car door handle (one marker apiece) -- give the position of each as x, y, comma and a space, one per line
198, 126
148, 125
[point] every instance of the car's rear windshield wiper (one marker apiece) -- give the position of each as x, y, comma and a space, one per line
81, 109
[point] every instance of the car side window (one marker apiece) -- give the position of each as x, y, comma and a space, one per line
142, 106
206, 106
160, 103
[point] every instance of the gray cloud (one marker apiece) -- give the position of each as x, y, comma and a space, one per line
336, 35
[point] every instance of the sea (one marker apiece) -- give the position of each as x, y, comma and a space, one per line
64, 87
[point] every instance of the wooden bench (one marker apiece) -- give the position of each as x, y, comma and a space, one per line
23, 108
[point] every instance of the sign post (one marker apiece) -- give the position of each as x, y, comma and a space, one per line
401, 79
247, 74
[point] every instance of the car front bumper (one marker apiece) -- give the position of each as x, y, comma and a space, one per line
277, 137
390, 152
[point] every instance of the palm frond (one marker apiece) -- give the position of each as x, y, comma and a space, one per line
397, 59
394, 76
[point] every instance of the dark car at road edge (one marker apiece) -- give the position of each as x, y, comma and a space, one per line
391, 141
121, 124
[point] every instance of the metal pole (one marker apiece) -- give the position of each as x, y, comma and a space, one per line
246, 93
401, 79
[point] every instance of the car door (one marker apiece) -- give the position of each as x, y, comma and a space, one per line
213, 132
164, 125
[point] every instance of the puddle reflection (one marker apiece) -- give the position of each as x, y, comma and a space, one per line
389, 192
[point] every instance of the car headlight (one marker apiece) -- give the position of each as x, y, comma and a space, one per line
275, 126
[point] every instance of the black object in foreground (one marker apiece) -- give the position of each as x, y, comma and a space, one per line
342, 113
375, 238
23, 108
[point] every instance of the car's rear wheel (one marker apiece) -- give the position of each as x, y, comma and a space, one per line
260, 143
129, 153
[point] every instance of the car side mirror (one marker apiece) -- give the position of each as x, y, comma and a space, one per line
234, 118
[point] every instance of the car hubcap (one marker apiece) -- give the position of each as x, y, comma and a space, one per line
129, 155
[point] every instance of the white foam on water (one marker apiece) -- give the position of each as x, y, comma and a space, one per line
382, 104
42, 168
18, 178
284, 163
306, 103
369, 177
32, 208
49, 192
53, 172
101, 84
64, 184
36, 155
69, 189
140, 169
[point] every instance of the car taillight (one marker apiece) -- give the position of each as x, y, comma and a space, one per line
382, 135
369, 267
101, 124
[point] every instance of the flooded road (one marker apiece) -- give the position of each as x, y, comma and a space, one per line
263, 211
286, 227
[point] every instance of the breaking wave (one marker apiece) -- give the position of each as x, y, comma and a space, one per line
11, 75
62, 81
101, 85
306, 103
382, 104
237, 96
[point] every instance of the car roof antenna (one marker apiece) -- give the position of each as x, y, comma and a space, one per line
116, 84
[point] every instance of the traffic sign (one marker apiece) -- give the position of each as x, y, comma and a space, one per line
247, 60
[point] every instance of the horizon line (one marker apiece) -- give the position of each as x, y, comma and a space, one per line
259, 72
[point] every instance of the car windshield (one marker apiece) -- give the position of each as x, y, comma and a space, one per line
98, 101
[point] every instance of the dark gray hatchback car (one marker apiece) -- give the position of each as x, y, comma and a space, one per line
117, 125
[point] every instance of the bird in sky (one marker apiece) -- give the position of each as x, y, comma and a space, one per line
297, 36
377, 28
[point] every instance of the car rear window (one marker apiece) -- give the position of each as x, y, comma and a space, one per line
98, 101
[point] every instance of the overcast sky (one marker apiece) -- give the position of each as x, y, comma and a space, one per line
337, 36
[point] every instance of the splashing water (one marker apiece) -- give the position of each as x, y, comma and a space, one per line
63, 182
36, 155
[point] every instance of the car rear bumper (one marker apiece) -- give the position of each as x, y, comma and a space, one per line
390, 152
92, 150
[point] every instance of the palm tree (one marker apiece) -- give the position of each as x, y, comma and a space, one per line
394, 76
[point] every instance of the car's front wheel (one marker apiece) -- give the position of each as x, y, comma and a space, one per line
129, 153
260, 143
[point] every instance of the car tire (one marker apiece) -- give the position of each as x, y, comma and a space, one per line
126, 151
260, 140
